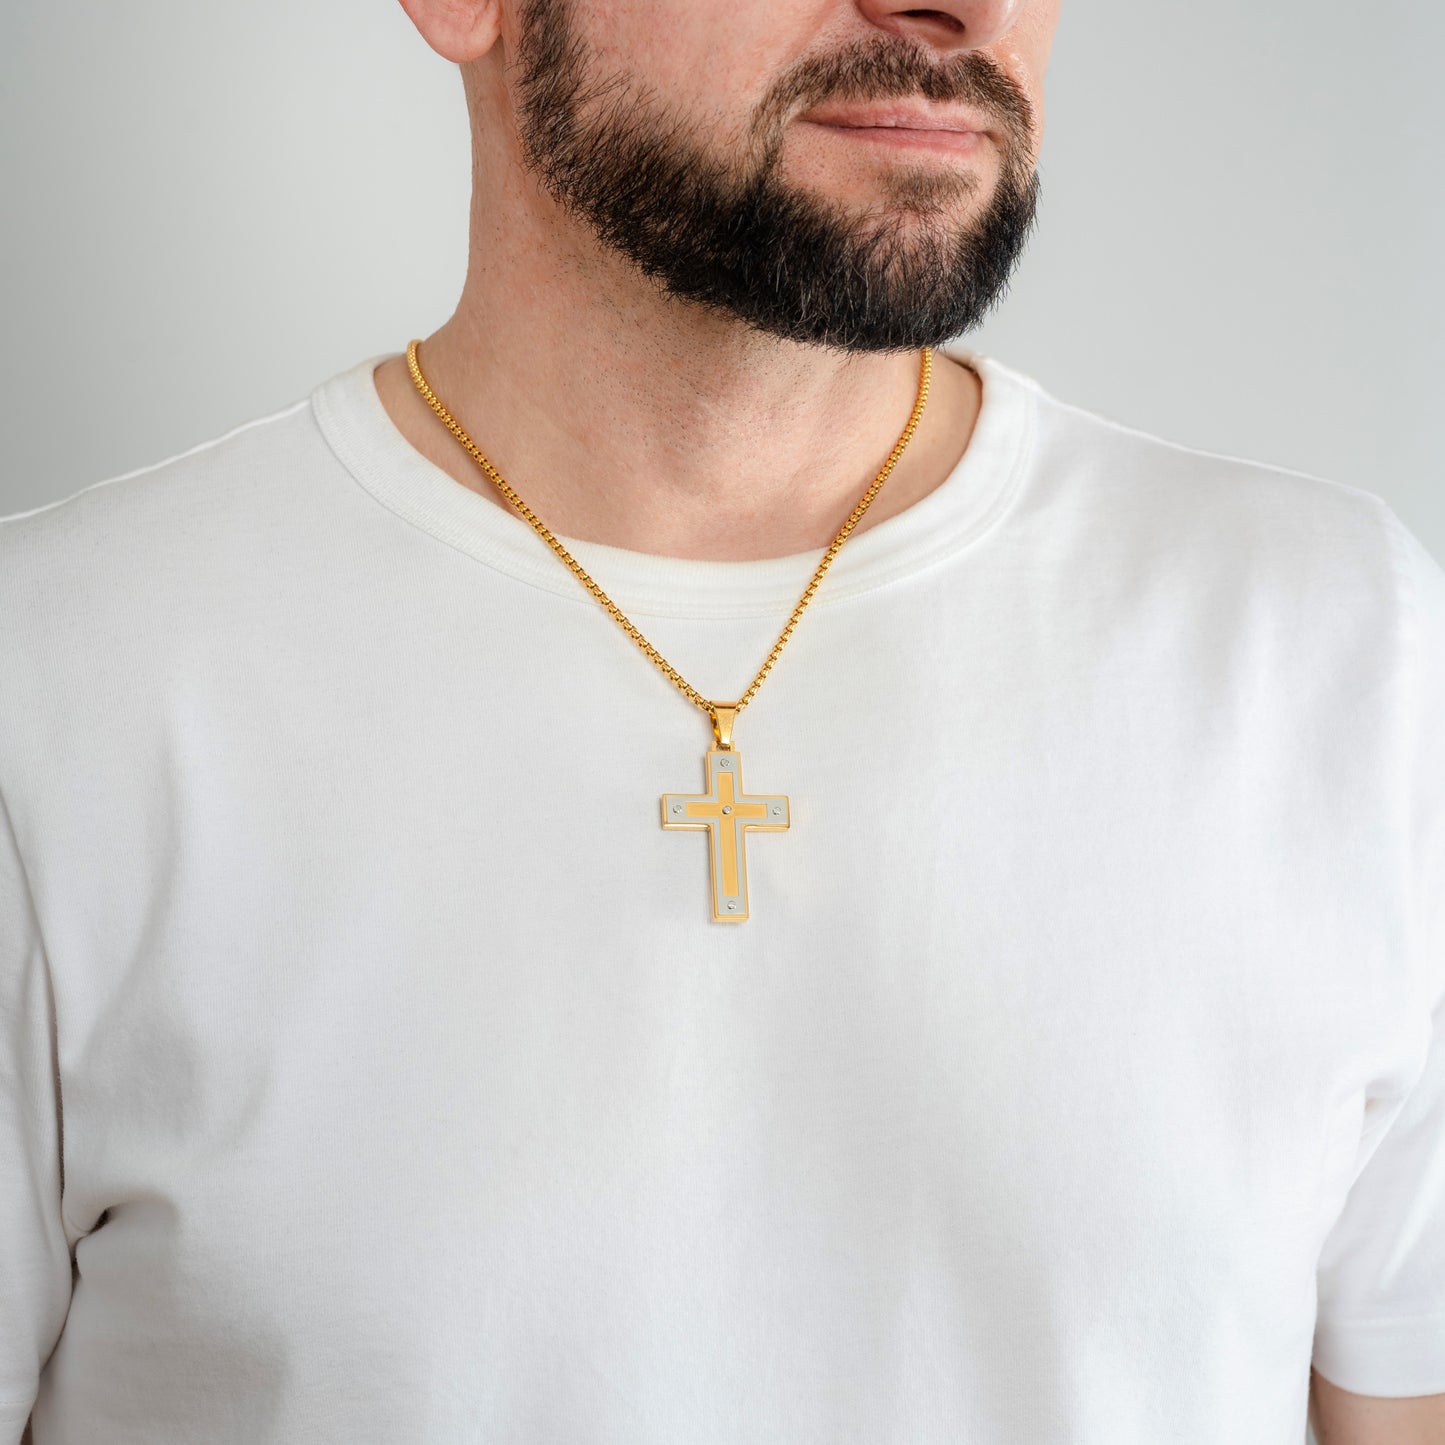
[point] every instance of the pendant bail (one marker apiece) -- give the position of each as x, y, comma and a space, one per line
723, 714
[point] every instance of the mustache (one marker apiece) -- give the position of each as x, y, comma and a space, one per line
896, 68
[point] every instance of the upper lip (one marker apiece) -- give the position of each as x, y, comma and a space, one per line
911, 116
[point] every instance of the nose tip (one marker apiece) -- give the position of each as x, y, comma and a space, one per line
948, 25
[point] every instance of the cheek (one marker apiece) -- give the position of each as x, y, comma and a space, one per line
708, 58
1023, 55
1033, 38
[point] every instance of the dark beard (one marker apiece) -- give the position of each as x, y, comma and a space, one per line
786, 262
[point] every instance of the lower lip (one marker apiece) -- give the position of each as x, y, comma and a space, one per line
897, 137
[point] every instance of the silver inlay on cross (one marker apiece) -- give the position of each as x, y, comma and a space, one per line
727, 813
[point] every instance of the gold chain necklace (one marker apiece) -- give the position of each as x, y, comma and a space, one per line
725, 811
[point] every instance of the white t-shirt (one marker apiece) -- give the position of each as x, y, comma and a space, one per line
373, 1068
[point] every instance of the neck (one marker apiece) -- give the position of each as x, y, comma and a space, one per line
624, 417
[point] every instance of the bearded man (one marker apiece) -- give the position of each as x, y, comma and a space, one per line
417, 1028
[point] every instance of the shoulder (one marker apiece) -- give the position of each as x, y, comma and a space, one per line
1193, 479
166, 538
1139, 499
157, 507
103, 590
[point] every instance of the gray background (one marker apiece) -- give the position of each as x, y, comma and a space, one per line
210, 208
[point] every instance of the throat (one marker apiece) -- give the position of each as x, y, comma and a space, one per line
758, 517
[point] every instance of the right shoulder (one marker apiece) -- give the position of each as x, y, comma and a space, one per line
155, 509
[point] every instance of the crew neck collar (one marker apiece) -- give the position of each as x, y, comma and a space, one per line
967, 504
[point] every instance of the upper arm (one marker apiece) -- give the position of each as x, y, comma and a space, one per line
35, 1267
1341, 1417
1380, 1274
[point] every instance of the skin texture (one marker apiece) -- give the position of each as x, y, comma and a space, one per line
1340, 1417
628, 415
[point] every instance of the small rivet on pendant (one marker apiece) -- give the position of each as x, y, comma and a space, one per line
732, 903
726, 808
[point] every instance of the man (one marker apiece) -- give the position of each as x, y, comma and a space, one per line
417, 1027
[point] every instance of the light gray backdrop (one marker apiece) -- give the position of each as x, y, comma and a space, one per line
210, 208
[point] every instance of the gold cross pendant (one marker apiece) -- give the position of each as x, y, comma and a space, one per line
727, 813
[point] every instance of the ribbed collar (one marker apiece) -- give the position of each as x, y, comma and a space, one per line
971, 500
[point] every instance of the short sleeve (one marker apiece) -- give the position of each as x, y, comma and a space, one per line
35, 1264
1380, 1323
